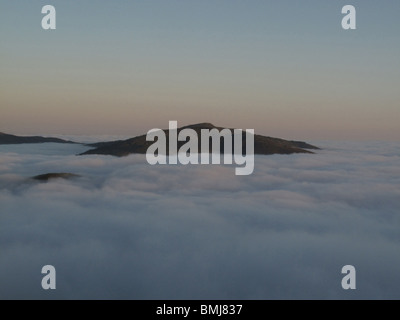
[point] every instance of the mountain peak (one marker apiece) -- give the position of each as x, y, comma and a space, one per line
262, 145
203, 125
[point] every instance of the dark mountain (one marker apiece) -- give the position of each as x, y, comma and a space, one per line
262, 145
11, 139
304, 145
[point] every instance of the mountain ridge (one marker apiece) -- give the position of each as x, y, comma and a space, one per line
6, 138
262, 144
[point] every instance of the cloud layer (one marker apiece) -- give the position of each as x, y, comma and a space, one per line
128, 230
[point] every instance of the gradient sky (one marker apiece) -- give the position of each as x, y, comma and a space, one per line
283, 68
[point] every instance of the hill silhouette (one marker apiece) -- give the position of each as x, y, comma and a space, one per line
12, 139
262, 144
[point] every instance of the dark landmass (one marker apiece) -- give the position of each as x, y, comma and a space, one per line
11, 139
48, 176
262, 145
304, 145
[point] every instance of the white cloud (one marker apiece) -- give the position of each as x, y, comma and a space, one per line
126, 229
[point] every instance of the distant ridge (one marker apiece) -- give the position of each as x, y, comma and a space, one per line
11, 139
262, 144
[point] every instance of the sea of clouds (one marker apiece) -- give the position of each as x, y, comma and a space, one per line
128, 230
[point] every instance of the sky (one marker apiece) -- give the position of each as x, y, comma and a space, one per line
284, 68
128, 230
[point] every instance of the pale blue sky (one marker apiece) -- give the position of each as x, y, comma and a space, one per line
284, 68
